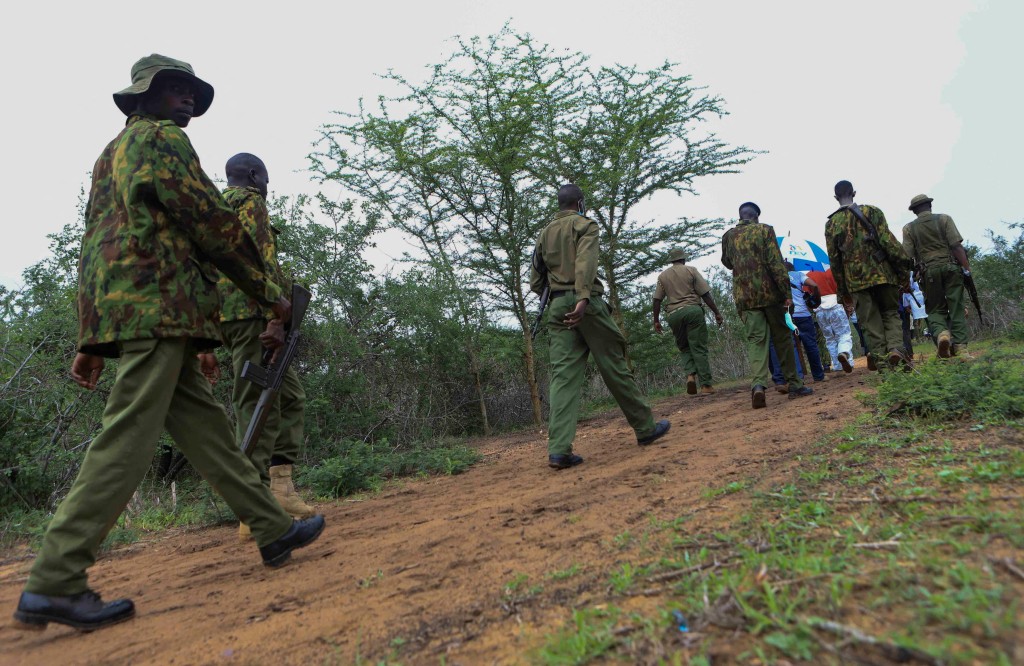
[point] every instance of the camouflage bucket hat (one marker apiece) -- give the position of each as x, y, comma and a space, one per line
918, 200
676, 254
147, 69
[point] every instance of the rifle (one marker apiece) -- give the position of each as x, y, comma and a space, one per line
545, 296
973, 291
879, 254
270, 375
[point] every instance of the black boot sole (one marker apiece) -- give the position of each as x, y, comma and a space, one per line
38, 621
281, 559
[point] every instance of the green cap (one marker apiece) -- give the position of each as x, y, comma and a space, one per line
918, 200
146, 70
676, 254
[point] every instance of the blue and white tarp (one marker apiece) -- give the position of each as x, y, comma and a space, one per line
805, 255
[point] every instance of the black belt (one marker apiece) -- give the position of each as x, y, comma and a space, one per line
556, 294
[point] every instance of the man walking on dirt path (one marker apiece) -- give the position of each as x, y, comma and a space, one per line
685, 288
243, 323
579, 323
806, 334
935, 246
762, 294
152, 222
869, 265
833, 320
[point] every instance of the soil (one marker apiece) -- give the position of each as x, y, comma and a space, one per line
423, 569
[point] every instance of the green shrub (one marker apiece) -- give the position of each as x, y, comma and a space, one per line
990, 388
365, 466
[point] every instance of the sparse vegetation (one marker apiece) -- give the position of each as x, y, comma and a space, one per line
899, 538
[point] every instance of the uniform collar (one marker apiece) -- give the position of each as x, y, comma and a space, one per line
565, 213
925, 213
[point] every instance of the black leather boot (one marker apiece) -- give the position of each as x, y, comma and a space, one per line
301, 533
84, 611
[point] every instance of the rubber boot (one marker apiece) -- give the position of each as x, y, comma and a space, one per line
284, 491
945, 342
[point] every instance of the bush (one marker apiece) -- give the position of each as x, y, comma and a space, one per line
988, 389
365, 466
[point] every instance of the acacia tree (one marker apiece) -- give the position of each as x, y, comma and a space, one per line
454, 170
468, 161
639, 134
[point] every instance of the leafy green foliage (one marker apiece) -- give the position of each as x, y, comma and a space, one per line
361, 466
990, 388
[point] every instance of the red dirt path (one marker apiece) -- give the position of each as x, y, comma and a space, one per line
445, 548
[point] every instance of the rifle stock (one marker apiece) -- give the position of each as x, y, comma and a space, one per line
270, 375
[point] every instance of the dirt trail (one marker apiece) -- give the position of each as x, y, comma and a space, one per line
427, 561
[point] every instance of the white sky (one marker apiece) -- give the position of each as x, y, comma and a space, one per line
899, 97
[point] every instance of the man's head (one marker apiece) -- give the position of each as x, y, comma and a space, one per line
570, 197
165, 88
750, 211
844, 191
789, 265
922, 203
247, 170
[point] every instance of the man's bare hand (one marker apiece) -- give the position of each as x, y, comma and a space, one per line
573, 319
273, 337
657, 326
86, 369
210, 368
788, 303
719, 319
282, 309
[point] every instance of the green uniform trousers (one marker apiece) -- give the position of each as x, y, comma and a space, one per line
879, 317
158, 386
691, 332
283, 433
569, 349
944, 298
760, 323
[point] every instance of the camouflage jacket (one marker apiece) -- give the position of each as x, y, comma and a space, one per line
850, 252
252, 213
568, 251
154, 224
759, 278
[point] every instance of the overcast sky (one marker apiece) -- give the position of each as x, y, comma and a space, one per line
898, 97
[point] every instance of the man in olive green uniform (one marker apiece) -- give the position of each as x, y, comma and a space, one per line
934, 244
243, 322
152, 222
579, 322
869, 265
762, 294
684, 288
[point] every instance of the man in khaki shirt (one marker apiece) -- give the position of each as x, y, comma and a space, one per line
683, 287
934, 244
580, 324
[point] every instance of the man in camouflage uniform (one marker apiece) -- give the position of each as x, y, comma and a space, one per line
935, 246
153, 221
579, 322
685, 288
762, 294
869, 265
243, 322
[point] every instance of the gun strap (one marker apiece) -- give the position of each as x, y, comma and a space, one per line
864, 222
